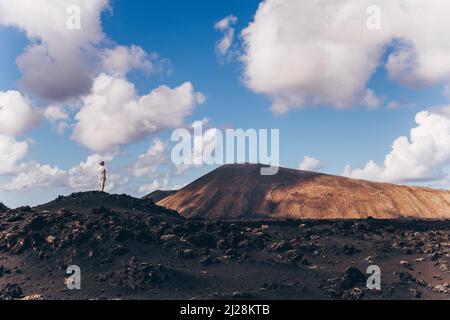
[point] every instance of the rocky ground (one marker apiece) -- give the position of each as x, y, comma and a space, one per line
136, 250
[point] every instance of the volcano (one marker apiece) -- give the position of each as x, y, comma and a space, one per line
238, 191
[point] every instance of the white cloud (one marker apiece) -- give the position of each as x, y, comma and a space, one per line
55, 113
114, 114
397, 104
11, 151
16, 117
441, 110
148, 163
58, 62
150, 187
58, 117
421, 157
121, 59
33, 175
154, 185
16, 114
310, 164
319, 52
225, 26
202, 145
371, 100
83, 177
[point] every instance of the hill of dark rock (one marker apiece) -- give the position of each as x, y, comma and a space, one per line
88, 201
137, 255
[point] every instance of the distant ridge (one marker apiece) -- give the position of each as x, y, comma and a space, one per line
238, 191
158, 195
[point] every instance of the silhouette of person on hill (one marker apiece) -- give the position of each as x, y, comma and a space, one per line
101, 176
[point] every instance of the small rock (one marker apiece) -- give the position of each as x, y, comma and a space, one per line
203, 240
37, 223
405, 277
4, 270
50, 239
349, 250
122, 235
207, 260
405, 264
33, 297
168, 237
415, 293
186, 253
354, 294
241, 295
222, 245
10, 291
118, 250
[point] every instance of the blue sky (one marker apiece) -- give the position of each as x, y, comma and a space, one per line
184, 34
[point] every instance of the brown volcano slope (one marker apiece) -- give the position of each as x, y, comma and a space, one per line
239, 191
158, 195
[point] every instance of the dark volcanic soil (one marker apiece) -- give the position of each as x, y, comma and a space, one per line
151, 253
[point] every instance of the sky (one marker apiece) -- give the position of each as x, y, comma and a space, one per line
356, 88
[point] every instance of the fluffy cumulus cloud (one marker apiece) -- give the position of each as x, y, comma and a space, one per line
154, 185
16, 117
61, 61
114, 114
16, 113
423, 156
58, 117
55, 113
148, 163
149, 187
319, 52
33, 175
310, 164
226, 27
371, 100
203, 146
58, 62
121, 59
11, 151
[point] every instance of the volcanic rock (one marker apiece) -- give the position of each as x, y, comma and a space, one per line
3, 208
352, 277
10, 291
202, 240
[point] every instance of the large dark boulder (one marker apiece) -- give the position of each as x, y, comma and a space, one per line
202, 240
352, 277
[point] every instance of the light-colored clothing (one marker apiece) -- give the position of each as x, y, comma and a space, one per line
101, 178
